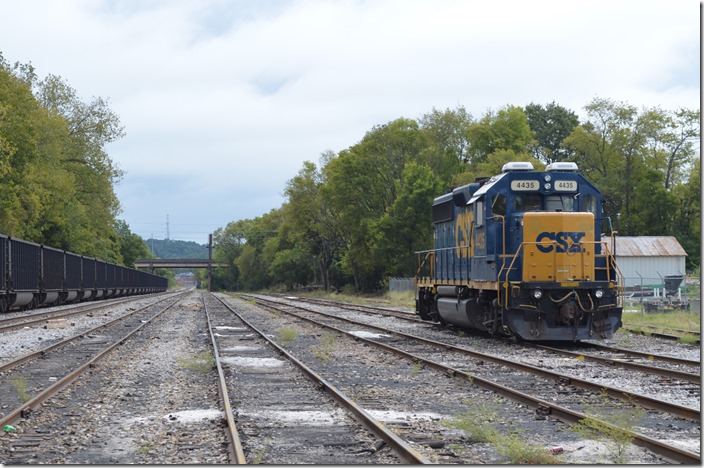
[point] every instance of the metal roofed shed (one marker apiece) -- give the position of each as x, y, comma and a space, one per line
648, 260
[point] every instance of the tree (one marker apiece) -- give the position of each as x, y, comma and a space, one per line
361, 185
447, 136
687, 218
618, 147
506, 129
406, 227
132, 246
94, 207
57, 181
310, 219
550, 125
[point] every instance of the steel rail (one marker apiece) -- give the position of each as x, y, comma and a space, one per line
664, 336
695, 378
541, 406
646, 401
45, 316
687, 376
408, 453
29, 356
26, 408
678, 330
659, 357
412, 318
235, 449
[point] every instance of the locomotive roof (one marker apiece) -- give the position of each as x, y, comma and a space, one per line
476, 190
488, 185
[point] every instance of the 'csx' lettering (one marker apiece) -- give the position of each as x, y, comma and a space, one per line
566, 241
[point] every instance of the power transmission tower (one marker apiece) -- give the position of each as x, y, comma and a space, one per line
167, 227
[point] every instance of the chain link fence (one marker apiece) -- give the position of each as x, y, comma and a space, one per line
401, 285
662, 294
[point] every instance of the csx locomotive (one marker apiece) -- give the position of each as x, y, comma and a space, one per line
32, 275
520, 254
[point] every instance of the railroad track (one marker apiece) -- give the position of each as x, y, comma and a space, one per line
45, 317
135, 378
284, 419
680, 334
683, 369
418, 353
31, 381
49, 370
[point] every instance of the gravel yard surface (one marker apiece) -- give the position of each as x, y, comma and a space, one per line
141, 405
154, 400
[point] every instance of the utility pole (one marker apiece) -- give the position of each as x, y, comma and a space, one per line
210, 259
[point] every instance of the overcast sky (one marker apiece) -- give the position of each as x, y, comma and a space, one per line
223, 100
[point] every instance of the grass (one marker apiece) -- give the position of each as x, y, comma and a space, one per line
611, 425
681, 320
480, 424
395, 299
146, 447
20, 384
323, 350
665, 323
258, 455
202, 362
286, 335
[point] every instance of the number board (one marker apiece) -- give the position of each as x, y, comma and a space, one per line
525, 185
566, 185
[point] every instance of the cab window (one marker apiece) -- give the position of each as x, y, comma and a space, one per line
559, 203
498, 207
479, 213
589, 204
527, 202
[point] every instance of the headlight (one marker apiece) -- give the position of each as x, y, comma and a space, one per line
537, 293
598, 293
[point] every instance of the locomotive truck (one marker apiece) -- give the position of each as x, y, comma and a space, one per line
521, 254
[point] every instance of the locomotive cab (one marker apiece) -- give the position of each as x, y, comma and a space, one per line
520, 254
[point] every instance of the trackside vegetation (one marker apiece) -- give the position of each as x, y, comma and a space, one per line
358, 215
56, 178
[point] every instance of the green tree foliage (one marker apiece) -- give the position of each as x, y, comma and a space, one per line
362, 184
505, 130
639, 160
170, 248
132, 247
550, 125
447, 134
312, 224
396, 233
57, 181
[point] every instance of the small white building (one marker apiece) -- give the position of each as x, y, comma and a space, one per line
647, 260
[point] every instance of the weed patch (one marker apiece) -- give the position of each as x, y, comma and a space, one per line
323, 350
613, 426
286, 335
20, 384
202, 362
480, 425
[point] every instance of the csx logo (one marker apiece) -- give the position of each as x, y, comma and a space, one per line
566, 241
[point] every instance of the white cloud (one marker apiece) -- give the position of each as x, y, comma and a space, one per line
225, 99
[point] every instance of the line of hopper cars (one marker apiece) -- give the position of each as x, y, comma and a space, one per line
32, 275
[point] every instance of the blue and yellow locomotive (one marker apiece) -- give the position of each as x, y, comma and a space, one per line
520, 254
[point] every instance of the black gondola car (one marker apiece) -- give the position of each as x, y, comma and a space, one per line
32, 275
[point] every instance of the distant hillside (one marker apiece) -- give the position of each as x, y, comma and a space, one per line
167, 249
